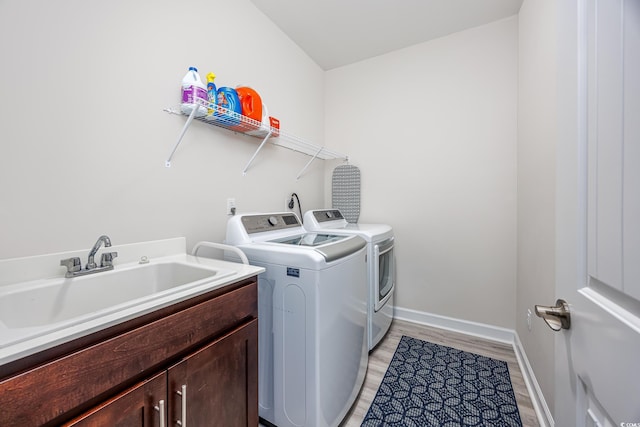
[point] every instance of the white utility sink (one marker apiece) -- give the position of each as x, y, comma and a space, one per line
40, 308
45, 302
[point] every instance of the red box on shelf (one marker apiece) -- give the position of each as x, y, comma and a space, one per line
262, 131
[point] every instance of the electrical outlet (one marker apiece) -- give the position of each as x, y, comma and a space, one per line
529, 319
231, 206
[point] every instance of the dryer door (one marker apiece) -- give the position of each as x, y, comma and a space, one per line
384, 272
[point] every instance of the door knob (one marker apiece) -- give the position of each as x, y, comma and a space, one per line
557, 317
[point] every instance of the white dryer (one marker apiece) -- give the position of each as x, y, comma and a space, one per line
312, 318
381, 264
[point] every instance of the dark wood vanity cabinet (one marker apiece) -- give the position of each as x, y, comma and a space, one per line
197, 359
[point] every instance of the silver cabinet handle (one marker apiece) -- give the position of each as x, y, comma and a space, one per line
183, 394
160, 409
557, 317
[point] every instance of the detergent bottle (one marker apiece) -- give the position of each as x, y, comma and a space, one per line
211, 93
231, 111
194, 93
251, 106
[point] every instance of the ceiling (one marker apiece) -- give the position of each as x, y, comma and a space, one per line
340, 32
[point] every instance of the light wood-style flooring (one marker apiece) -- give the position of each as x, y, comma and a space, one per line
381, 356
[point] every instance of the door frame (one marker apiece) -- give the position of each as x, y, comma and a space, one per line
571, 188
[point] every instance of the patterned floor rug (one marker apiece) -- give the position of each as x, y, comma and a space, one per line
433, 385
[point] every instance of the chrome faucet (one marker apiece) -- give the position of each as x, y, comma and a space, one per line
91, 264
74, 266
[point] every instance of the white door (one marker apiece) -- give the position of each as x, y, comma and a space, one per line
598, 213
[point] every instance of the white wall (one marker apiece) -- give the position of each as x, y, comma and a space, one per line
84, 136
536, 183
433, 129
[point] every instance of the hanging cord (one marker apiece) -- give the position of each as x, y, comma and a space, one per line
292, 204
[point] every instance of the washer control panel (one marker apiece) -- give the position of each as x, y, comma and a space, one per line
269, 222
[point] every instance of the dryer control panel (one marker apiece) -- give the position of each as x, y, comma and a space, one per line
269, 222
327, 215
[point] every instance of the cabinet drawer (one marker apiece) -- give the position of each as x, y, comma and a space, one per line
47, 392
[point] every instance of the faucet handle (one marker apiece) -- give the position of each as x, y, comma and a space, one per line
107, 259
73, 265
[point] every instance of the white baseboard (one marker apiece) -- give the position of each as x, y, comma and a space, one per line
537, 398
493, 333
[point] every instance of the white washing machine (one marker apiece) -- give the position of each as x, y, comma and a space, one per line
381, 264
312, 318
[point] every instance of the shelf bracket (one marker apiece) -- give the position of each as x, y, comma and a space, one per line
264, 141
184, 129
309, 163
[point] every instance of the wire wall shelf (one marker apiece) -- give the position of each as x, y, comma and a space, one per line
226, 119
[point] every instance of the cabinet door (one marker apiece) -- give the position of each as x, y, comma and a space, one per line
138, 406
218, 384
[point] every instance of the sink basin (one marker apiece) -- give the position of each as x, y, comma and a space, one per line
47, 302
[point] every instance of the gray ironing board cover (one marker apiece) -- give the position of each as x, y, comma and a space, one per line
345, 191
